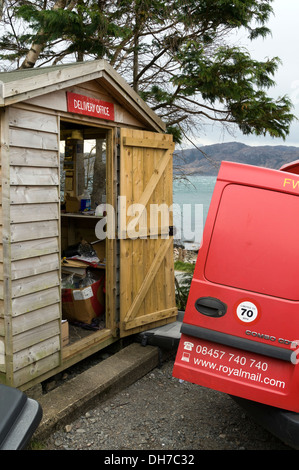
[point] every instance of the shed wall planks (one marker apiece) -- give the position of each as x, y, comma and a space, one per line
33, 218
4, 149
36, 368
35, 301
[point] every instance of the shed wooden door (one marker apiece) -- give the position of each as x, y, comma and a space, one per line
147, 293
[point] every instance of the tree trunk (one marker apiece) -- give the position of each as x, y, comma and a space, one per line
37, 47
1, 8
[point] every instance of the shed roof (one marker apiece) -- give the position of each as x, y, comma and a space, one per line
21, 85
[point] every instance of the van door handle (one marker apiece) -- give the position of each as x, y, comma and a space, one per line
211, 307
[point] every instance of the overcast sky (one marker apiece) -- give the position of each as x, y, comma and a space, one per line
284, 43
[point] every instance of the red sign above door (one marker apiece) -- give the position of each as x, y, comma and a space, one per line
80, 104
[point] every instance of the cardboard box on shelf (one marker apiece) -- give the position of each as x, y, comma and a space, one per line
72, 204
100, 248
65, 332
84, 304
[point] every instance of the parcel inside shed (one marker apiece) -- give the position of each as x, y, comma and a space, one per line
79, 267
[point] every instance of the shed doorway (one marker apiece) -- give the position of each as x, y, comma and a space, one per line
84, 154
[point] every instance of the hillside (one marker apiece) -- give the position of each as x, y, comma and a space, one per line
193, 161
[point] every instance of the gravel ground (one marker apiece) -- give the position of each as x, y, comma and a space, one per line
160, 413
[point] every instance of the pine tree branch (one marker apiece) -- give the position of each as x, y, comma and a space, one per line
39, 44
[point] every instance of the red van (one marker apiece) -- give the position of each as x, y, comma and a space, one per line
240, 332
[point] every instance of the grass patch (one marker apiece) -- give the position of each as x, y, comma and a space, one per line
36, 445
184, 267
183, 283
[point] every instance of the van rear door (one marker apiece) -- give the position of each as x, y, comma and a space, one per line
240, 332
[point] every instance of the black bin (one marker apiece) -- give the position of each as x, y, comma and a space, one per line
19, 418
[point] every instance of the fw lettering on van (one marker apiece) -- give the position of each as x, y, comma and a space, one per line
293, 183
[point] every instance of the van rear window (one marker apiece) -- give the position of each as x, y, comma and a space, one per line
255, 242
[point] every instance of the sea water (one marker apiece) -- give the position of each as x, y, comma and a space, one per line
191, 201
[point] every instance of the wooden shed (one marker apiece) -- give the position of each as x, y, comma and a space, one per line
51, 118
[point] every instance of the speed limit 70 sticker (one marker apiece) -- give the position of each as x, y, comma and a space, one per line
247, 311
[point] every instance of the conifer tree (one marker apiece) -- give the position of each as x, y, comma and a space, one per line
179, 55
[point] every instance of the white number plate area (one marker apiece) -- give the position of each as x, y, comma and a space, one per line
236, 365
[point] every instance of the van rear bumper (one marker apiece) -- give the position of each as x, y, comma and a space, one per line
228, 367
237, 342
281, 423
